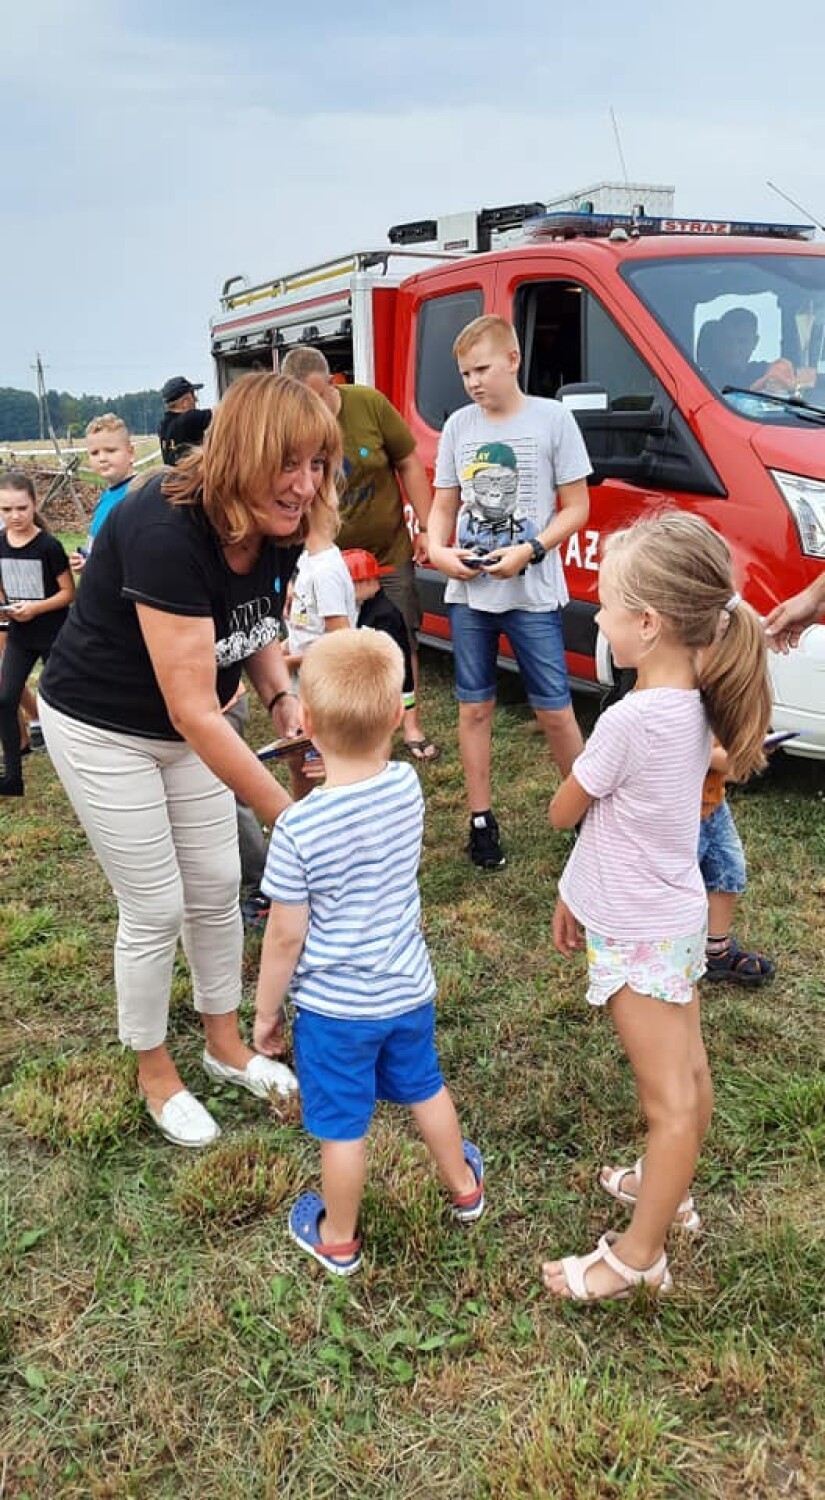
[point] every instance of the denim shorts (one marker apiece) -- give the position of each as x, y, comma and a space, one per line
344, 1066
664, 968
538, 646
721, 856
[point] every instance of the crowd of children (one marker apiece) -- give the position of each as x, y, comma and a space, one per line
656, 862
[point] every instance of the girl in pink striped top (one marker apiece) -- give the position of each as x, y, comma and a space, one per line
668, 608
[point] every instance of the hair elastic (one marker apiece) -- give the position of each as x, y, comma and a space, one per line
733, 603
284, 693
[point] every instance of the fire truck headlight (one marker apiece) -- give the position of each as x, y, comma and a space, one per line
805, 499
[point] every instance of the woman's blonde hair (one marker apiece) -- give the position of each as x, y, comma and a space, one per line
262, 421
677, 566
351, 682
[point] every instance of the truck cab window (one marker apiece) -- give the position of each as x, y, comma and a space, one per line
567, 336
755, 321
439, 389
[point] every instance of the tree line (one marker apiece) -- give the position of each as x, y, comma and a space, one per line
21, 418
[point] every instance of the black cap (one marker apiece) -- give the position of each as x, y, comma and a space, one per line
178, 386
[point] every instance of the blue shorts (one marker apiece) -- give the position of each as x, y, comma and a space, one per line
344, 1066
538, 646
721, 856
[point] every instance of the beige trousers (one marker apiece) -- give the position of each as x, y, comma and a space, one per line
163, 828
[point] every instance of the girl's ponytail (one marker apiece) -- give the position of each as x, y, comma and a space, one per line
735, 688
675, 564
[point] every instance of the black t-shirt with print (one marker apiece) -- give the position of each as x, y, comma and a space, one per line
31, 572
169, 557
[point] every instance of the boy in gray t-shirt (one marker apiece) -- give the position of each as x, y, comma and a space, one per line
511, 484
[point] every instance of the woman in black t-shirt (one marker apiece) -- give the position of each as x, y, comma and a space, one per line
37, 588
184, 588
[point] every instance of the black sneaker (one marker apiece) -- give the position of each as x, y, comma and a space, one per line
255, 909
484, 847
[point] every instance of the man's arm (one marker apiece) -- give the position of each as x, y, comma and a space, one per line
413, 476
785, 624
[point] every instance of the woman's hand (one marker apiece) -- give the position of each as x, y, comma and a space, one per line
286, 716
568, 937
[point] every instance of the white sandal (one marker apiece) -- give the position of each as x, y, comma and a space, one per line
687, 1216
575, 1267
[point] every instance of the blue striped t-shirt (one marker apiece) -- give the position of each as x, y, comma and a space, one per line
352, 853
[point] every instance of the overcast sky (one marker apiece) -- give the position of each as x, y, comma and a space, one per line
150, 150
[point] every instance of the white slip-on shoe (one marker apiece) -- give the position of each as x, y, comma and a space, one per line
261, 1076
184, 1121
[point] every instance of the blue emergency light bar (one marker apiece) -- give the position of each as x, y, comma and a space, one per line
599, 226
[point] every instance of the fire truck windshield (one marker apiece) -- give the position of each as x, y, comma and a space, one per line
753, 325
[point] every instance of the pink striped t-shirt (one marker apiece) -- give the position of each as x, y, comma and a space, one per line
633, 872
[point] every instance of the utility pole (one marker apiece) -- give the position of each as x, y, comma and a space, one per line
64, 478
41, 396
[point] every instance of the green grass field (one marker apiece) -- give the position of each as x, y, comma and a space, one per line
160, 1336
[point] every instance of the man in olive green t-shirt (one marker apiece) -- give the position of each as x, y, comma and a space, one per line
379, 449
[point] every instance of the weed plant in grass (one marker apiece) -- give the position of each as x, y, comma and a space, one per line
160, 1336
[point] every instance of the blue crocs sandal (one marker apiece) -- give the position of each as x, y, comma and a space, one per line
304, 1226
467, 1207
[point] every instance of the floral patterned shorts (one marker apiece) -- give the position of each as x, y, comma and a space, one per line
667, 969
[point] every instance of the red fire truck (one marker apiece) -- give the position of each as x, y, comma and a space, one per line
617, 316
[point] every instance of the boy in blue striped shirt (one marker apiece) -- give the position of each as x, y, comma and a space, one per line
344, 937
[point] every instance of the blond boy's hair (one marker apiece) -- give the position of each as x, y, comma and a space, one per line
108, 422
502, 334
351, 682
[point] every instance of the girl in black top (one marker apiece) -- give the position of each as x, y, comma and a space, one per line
183, 590
37, 590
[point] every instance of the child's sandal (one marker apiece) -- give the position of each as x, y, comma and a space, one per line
738, 966
304, 1226
467, 1207
656, 1278
687, 1218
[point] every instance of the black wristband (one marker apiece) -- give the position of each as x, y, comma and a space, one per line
284, 693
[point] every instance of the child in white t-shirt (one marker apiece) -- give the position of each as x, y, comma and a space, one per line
322, 595
670, 610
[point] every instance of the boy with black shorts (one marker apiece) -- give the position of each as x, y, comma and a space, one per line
344, 936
